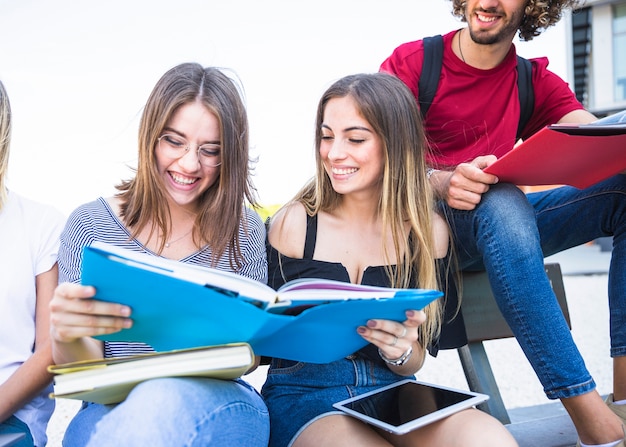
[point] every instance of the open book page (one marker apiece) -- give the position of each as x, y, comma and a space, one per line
312, 291
229, 283
311, 285
616, 118
306, 291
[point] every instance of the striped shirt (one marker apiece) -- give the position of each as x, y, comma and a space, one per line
96, 221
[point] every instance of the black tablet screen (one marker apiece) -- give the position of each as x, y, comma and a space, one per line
409, 401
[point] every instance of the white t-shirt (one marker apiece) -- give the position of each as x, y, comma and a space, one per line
29, 243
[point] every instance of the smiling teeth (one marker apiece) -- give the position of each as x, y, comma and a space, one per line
344, 171
182, 180
486, 19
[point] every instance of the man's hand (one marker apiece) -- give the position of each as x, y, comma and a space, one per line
463, 188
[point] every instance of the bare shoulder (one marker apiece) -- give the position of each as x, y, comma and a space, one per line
287, 230
441, 236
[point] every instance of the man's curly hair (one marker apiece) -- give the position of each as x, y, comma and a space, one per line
538, 16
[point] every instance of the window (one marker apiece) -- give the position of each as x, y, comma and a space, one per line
619, 50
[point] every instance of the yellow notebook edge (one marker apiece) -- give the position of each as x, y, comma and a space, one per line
114, 394
81, 365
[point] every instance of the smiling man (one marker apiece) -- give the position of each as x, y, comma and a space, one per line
473, 118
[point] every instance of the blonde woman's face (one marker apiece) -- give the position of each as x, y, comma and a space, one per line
184, 176
351, 152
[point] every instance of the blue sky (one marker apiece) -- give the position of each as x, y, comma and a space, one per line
79, 72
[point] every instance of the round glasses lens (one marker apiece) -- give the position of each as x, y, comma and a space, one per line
210, 155
174, 146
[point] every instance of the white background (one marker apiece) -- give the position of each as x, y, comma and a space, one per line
79, 72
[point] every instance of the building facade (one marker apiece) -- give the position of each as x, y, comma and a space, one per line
598, 38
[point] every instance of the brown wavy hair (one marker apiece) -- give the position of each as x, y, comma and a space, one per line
539, 15
222, 205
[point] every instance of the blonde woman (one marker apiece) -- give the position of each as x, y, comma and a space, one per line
367, 217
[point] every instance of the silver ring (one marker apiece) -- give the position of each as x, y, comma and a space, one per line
403, 332
395, 340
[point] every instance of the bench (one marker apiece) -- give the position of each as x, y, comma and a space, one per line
483, 321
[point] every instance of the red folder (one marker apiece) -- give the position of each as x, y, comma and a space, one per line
576, 155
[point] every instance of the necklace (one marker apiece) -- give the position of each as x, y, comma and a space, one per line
461, 49
168, 243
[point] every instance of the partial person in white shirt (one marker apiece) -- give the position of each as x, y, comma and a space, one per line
29, 242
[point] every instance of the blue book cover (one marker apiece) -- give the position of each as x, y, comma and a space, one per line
178, 306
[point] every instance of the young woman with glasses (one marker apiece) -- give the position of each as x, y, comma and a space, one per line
187, 202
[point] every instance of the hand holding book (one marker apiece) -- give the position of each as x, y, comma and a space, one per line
177, 306
579, 155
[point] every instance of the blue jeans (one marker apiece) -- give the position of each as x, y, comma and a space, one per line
509, 233
176, 412
15, 425
298, 393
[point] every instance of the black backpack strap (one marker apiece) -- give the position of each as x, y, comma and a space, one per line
525, 92
431, 70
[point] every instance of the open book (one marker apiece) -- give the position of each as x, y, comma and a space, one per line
109, 381
579, 155
297, 293
176, 306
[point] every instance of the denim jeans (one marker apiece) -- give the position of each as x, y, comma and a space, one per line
299, 393
175, 412
509, 233
15, 425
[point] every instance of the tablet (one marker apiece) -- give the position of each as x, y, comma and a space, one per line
408, 404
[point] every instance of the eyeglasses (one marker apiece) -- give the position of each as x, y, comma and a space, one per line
175, 146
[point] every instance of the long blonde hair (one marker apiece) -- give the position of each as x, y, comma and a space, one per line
5, 141
222, 205
390, 108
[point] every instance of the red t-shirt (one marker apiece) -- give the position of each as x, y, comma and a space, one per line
476, 112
